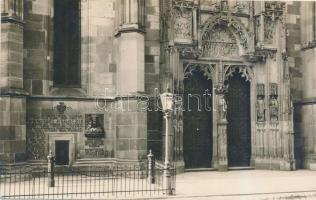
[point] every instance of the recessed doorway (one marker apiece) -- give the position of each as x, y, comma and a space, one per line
197, 115
62, 152
238, 117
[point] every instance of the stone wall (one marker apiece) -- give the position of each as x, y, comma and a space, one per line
152, 72
12, 101
131, 130
44, 119
11, 55
98, 67
293, 47
98, 50
293, 41
152, 46
37, 53
305, 107
12, 130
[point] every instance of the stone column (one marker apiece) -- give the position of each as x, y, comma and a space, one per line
221, 129
131, 118
12, 95
288, 162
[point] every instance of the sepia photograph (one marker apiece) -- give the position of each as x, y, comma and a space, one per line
158, 99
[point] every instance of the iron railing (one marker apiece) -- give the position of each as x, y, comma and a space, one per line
69, 183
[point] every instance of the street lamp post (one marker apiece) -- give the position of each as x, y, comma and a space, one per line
167, 106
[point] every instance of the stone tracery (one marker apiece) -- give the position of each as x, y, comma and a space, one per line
230, 23
208, 70
246, 71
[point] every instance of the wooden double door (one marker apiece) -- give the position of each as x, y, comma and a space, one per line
198, 121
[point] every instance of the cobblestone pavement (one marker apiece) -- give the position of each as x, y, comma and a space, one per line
247, 185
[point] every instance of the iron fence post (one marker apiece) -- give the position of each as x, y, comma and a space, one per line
151, 167
50, 170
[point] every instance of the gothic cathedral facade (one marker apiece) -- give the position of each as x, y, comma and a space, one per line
82, 78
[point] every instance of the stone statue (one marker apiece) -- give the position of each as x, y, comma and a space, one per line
260, 109
274, 109
222, 108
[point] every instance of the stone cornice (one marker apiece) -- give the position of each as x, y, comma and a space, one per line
260, 54
305, 101
12, 19
128, 29
14, 92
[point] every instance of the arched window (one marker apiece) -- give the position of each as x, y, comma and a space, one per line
67, 43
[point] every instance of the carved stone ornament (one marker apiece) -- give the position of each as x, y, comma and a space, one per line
208, 70
221, 88
94, 128
222, 107
220, 42
274, 103
183, 4
230, 22
260, 107
232, 6
61, 108
182, 25
189, 51
269, 30
261, 54
274, 9
245, 71
274, 109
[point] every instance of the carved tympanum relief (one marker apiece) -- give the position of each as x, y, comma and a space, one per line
220, 42
224, 36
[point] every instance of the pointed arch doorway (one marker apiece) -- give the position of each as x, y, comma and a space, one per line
197, 116
238, 117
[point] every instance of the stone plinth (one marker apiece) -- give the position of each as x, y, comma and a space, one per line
131, 130
222, 145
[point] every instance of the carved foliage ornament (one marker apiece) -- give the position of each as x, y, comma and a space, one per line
245, 71
188, 51
208, 70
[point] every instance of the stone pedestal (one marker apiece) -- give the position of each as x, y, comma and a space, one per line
131, 130
94, 148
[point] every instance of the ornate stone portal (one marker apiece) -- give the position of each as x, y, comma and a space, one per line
219, 40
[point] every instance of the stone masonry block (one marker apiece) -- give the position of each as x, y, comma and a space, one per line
7, 132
